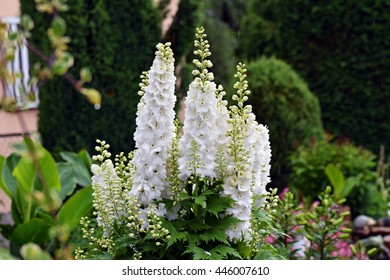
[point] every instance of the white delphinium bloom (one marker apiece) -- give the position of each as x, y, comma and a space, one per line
242, 151
261, 165
108, 202
197, 147
222, 125
155, 129
257, 139
238, 180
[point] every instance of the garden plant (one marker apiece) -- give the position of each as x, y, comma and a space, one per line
197, 191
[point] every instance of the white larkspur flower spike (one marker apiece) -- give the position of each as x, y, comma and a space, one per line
222, 126
248, 166
107, 200
261, 164
155, 128
198, 145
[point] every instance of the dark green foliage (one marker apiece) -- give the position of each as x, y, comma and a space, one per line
309, 178
341, 48
116, 39
220, 18
282, 101
188, 17
221, 24
223, 55
181, 32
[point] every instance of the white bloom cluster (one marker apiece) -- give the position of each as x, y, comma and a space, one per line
198, 144
228, 145
248, 163
107, 196
155, 129
261, 164
222, 126
238, 181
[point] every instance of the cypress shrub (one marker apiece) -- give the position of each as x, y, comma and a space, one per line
282, 100
341, 48
116, 39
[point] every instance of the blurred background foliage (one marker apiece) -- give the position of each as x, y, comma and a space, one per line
315, 67
341, 48
292, 112
116, 40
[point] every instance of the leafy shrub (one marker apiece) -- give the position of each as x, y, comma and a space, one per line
308, 175
115, 39
340, 48
282, 100
48, 200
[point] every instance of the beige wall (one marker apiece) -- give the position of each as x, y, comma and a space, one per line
9, 8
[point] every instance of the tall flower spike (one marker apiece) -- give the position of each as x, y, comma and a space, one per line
155, 128
198, 144
222, 125
109, 206
238, 182
261, 164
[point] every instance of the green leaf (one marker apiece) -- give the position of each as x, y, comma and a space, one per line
24, 173
58, 26
224, 251
60, 67
200, 200
49, 183
45, 217
350, 184
86, 74
16, 211
34, 230
68, 179
13, 36
5, 255
217, 204
81, 163
8, 182
243, 249
336, 178
175, 235
225, 222
84, 155
214, 235
26, 22
198, 225
3, 186
22, 204
49, 171
75, 208
6, 230
124, 242
197, 253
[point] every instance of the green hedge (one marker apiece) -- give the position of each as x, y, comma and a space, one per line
282, 101
116, 39
341, 48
